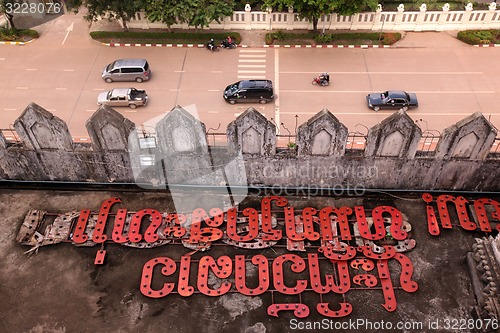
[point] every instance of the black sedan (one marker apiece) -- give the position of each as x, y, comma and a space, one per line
392, 99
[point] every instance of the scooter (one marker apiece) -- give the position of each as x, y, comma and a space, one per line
227, 45
212, 47
320, 82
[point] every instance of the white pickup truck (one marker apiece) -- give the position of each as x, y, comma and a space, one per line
130, 97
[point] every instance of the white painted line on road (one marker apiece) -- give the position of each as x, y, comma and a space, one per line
213, 111
394, 73
21, 87
252, 51
215, 71
251, 77
252, 55
61, 88
251, 71
98, 89
130, 111
2, 58
89, 110
213, 89
179, 71
68, 70
252, 66
174, 90
10, 109
251, 60
31, 69
366, 92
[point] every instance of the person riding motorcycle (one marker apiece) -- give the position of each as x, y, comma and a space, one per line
324, 78
211, 45
228, 42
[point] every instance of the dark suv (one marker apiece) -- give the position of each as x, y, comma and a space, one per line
249, 91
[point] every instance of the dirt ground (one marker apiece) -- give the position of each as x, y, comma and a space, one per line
59, 289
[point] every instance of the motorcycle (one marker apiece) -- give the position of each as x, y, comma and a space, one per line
317, 81
228, 45
212, 47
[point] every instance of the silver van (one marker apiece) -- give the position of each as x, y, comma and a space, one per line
127, 70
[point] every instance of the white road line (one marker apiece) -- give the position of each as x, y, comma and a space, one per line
173, 89
215, 71
395, 73
252, 55
252, 66
251, 77
10, 109
130, 111
21, 87
252, 51
240, 71
2, 58
251, 60
179, 71
61, 88
68, 70
213, 89
277, 89
421, 114
213, 111
366, 92
31, 69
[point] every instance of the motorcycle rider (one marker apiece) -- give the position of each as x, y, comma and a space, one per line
211, 44
228, 42
324, 78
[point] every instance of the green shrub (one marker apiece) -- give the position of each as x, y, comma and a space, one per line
474, 37
186, 37
390, 38
279, 35
269, 38
323, 38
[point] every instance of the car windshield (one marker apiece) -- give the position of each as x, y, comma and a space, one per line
111, 66
110, 93
232, 88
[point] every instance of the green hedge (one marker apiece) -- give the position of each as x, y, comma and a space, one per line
476, 37
387, 38
181, 37
12, 35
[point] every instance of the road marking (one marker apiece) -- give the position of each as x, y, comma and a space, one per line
10, 109
2, 58
252, 66
252, 51
252, 55
251, 60
215, 71
213, 111
130, 111
213, 90
277, 88
174, 90
68, 70
395, 73
31, 69
89, 110
392, 111
21, 87
98, 89
251, 71
179, 71
251, 77
61, 88
367, 92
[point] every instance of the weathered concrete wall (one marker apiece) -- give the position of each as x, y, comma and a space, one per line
180, 153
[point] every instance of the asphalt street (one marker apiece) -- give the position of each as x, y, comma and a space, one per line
61, 72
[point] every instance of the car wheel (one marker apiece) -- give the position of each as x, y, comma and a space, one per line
404, 108
132, 106
376, 108
232, 101
108, 80
138, 80
263, 101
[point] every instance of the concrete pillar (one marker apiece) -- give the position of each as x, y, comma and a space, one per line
248, 17
443, 17
421, 17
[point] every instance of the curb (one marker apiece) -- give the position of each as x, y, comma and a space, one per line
263, 46
487, 45
16, 43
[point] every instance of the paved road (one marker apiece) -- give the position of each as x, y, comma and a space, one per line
452, 81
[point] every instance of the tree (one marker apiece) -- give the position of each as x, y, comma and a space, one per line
123, 10
312, 10
7, 8
197, 13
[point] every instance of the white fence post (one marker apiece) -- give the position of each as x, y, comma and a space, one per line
248, 17
290, 18
467, 15
421, 17
399, 16
443, 17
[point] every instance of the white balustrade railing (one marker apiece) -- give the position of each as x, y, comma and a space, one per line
401, 20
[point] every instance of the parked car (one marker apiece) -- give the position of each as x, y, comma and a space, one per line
392, 99
127, 70
249, 91
130, 97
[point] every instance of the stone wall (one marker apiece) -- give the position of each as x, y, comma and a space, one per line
178, 153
